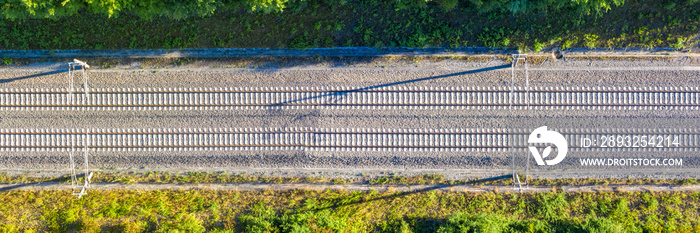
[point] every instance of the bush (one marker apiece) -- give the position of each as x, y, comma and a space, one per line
447, 5
539, 46
147, 9
532, 226
88, 224
301, 42
567, 44
8, 228
589, 40
461, 222
260, 219
132, 226
679, 45
310, 221
494, 37
602, 225
182, 223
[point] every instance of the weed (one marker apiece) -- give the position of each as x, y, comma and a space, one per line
538, 46
494, 37
679, 45
589, 40
447, 5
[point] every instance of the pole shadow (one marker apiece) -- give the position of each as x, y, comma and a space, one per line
340, 94
436, 187
42, 183
33, 76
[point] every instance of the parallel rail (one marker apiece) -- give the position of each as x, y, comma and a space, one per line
317, 139
325, 97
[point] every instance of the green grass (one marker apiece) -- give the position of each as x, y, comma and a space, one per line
156, 177
314, 23
342, 211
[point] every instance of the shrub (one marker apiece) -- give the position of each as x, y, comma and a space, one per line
494, 37
589, 40
602, 225
447, 5
8, 228
300, 42
309, 221
132, 226
568, 43
7, 61
88, 224
461, 222
182, 223
538, 46
260, 219
680, 44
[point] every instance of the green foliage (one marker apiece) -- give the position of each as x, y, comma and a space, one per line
582, 7
132, 226
147, 9
568, 43
538, 46
495, 37
343, 211
182, 222
481, 223
7, 61
301, 42
265, 219
589, 40
260, 219
680, 44
155, 24
447, 5
602, 225
115, 209
312, 221
551, 206
9, 228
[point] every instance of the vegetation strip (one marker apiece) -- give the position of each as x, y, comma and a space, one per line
319, 178
478, 188
341, 23
329, 52
343, 211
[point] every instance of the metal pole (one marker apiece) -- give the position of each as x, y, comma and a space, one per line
70, 83
72, 169
510, 107
527, 84
527, 92
85, 142
86, 81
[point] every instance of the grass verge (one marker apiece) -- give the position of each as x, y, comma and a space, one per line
342, 211
387, 179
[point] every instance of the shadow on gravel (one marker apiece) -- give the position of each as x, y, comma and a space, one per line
334, 96
33, 76
436, 187
55, 181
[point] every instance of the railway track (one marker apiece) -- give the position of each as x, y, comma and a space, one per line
325, 139
350, 97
